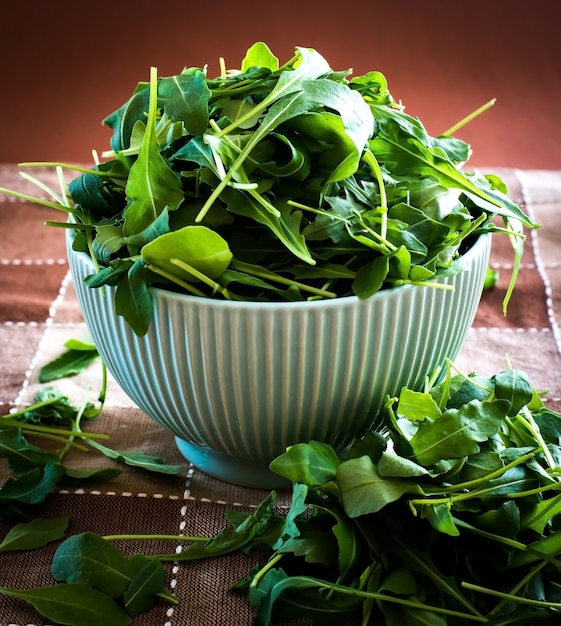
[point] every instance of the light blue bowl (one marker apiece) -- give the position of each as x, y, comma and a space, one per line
238, 382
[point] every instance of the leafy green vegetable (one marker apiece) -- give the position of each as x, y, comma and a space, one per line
449, 516
72, 361
75, 604
34, 534
35, 473
287, 174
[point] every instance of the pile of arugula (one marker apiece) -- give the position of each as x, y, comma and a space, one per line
449, 516
276, 182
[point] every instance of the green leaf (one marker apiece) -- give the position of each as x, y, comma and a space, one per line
371, 276
285, 226
417, 406
185, 98
133, 300
458, 431
312, 464
197, 246
290, 528
137, 459
391, 465
122, 120
21, 455
79, 475
441, 519
88, 558
145, 584
540, 515
364, 491
74, 604
35, 534
229, 540
514, 386
151, 186
259, 55
69, 363
34, 486
108, 241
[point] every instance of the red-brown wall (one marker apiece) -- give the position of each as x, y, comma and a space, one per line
66, 64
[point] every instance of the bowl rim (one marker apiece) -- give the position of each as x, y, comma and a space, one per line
160, 293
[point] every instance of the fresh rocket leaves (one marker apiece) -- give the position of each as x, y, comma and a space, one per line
449, 516
35, 472
319, 180
395, 529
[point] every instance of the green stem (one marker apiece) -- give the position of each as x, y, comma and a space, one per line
35, 200
529, 423
155, 537
508, 542
469, 118
269, 565
398, 282
247, 269
314, 582
521, 583
39, 430
372, 162
216, 287
56, 438
33, 407
274, 95
182, 283
476, 482
506, 596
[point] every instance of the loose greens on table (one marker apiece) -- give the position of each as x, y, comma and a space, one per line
449, 516
35, 472
276, 182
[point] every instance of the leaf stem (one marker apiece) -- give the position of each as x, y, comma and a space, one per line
269, 565
372, 162
508, 542
314, 582
253, 271
469, 118
157, 537
523, 581
512, 598
37, 429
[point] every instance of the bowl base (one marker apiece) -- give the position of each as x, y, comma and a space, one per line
229, 469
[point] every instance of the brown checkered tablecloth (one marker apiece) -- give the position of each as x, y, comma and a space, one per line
38, 313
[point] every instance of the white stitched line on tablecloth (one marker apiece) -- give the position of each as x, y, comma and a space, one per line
48, 325
524, 266
540, 267
520, 331
33, 324
179, 547
161, 496
33, 262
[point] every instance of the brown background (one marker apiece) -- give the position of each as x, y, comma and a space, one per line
65, 65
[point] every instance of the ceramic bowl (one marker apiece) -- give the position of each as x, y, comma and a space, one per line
238, 382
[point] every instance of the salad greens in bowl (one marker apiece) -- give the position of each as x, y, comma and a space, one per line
283, 245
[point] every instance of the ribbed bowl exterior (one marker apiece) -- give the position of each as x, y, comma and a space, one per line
246, 380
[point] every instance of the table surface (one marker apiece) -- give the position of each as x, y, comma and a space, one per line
39, 312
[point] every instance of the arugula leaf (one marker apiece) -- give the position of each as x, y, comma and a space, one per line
34, 534
69, 363
456, 432
151, 185
75, 604
138, 459
185, 98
